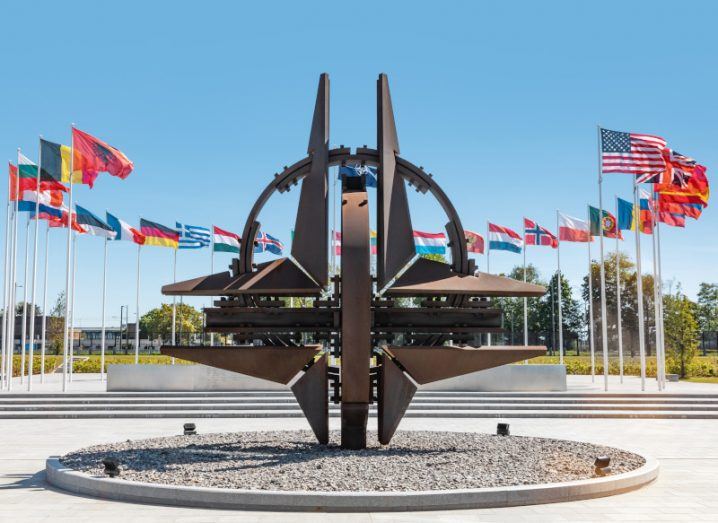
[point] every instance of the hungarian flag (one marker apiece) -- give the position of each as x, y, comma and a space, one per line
609, 224
572, 229
158, 234
225, 241
474, 242
93, 156
124, 231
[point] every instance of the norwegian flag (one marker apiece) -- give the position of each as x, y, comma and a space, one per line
632, 153
534, 234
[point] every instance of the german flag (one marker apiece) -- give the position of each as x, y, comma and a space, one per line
159, 235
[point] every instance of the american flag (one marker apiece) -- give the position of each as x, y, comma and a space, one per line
632, 153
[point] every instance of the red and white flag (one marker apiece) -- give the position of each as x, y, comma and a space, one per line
572, 229
534, 234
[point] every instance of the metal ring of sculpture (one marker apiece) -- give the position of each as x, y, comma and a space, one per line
359, 320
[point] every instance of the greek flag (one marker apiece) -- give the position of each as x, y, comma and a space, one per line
193, 236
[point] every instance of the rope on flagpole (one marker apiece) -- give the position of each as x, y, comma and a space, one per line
590, 310
6, 278
174, 302
102, 329
72, 306
68, 267
660, 304
488, 269
137, 309
656, 297
13, 282
23, 337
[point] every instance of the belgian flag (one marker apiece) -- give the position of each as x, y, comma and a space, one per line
56, 162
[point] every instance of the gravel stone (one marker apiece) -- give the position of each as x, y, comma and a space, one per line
293, 461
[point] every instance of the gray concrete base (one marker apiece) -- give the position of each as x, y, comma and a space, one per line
506, 378
119, 489
185, 378
182, 378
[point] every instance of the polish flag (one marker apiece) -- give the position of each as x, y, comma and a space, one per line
572, 229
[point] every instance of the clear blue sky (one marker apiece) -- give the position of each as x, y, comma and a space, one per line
499, 101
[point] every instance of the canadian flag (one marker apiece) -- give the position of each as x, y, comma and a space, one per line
572, 229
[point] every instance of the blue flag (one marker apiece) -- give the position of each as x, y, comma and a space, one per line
193, 236
358, 170
268, 243
625, 216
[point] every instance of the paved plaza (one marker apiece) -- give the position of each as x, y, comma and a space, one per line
685, 489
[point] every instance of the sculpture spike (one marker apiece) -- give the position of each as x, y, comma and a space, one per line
395, 242
309, 246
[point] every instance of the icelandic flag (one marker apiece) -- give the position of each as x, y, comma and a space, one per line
358, 170
268, 243
125, 231
193, 236
429, 242
504, 239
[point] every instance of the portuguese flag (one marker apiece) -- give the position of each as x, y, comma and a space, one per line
609, 223
159, 235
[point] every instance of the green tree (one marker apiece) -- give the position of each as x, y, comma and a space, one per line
707, 313
681, 330
56, 324
158, 322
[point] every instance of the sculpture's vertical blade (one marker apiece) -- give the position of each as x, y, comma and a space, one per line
309, 246
395, 242
394, 396
312, 395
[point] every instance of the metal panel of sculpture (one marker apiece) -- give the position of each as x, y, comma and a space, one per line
355, 318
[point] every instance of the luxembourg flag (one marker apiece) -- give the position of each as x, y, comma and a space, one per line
504, 239
429, 242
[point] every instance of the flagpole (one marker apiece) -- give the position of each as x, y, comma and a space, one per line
68, 267
656, 298
526, 312
618, 301
660, 304
13, 280
174, 303
559, 290
6, 277
72, 306
34, 266
102, 331
211, 271
590, 307
23, 337
488, 270
604, 326
44, 306
639, 287
137, 308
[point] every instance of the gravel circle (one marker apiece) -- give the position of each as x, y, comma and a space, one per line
294, 461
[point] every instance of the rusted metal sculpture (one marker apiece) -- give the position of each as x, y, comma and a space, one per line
355, 317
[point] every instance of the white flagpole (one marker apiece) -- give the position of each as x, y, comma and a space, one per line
137, 308
6, 278
174, 300
102, 332
68, 267
44, 306
23, 337
559, 291
72, 306
526, 311
656, 298
211, 271
590, 312
13, 281
660, 304
488, 269
34, 268
618, 301
639, 287
604, 326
